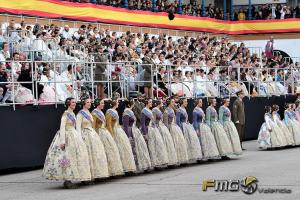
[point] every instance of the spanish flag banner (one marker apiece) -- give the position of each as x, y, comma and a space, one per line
105, 14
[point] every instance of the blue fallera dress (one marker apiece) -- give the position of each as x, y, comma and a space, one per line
190, 135
223, 143
230, 129
177, 135
206, 138
166, 136
139, 146
156, 146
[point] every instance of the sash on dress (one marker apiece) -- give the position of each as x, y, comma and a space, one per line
85, 115
99, 114
130, 113
113, 113
148, 113
72, 118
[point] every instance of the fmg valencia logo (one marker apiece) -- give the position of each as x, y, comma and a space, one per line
248, 185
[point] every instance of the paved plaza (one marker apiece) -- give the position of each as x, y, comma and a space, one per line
273, 169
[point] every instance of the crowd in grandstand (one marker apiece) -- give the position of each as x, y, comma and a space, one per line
258, 12
63, 59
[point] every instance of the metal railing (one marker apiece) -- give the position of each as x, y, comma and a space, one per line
128, 78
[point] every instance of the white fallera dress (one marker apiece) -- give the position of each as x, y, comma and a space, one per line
94, 145
121, 139
71, 164
112, 153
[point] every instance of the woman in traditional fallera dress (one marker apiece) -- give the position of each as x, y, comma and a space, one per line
222, 140
268, 134
292, 123
176, 133
156, 146
111, 150
206, 138
229, 127
165, 133
190, 135
94, 145
139, 146
297, 111
120, 137
67, 158
284, 130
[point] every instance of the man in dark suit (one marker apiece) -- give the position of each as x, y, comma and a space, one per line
137, 109
100, 59
239, 115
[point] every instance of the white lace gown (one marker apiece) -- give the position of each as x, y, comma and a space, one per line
94, 145
112, 153
71, 164
284, 130
268, 136
293, 126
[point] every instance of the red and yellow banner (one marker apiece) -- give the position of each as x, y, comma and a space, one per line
106, 14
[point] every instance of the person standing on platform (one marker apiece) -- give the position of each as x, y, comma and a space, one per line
239, 115
101, 60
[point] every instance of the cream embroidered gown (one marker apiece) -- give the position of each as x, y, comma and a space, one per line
71, 164
112, 152
121, 139
94, 145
